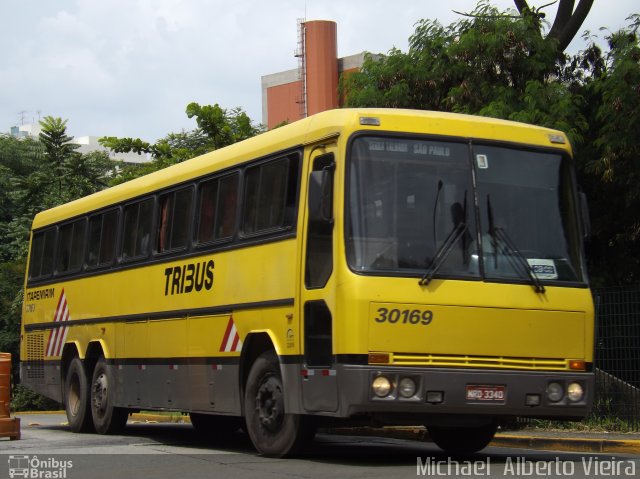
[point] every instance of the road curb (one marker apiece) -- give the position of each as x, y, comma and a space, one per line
571, 444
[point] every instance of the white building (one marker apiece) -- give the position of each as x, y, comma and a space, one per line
87, 144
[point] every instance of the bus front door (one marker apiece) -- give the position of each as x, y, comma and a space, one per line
319, 381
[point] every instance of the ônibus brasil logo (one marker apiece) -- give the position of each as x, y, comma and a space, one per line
35, 468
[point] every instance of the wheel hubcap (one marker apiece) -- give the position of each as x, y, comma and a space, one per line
270, 404
100, 393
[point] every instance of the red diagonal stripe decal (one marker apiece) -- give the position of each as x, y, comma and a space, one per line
53, 337
226, 334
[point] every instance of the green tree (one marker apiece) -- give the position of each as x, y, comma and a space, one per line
491, 63
58, 148
11, 279
24, 181
23, 184
568, 20
222, 127
72, 175
216, 128
609, 167
36, 175
88, 173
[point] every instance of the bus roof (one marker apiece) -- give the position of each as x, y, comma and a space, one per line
307, 131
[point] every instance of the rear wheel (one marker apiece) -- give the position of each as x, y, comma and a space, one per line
465, 439
76, 397
107, 418
273, 432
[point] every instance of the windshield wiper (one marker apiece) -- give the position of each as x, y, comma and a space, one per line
498, 233
443, 252
502, 235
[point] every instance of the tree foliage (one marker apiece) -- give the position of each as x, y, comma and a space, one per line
217, 127
566, 24
36, 174
492, 63
609, 165
502, 65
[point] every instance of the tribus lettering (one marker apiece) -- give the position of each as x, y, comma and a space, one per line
188, 277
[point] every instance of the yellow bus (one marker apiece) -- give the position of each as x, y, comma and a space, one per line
360, 266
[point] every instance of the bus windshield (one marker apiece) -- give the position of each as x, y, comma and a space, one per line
526, 202
411, 211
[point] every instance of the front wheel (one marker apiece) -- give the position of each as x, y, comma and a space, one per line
76, 397
464, 440
273, 432
107, 418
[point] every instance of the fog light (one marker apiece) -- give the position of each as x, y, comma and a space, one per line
407, 387
435, 397
555, 392
575, 392
532, 399
381, 386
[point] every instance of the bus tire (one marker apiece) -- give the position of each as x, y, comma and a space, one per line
462, 440
76, 397
107, 419
272, 432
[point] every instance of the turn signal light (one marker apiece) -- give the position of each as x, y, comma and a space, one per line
378, 358
577, 365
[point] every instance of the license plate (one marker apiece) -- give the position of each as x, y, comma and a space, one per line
486, 393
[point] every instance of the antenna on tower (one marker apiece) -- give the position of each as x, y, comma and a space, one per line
22, 114
300, 53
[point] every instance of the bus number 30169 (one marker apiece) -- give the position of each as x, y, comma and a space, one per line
405, 316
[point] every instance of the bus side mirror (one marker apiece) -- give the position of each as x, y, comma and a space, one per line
584, 215
321, 197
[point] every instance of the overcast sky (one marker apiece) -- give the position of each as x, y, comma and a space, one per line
130, 67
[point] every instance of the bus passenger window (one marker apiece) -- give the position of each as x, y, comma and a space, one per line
174, 216
217, 209
71, 247
227, 207
42, 249
64, 248
95, 230
270, 195
208, 194
102, 238
181, 218
166, 208
137, 229
37, 248
108, 237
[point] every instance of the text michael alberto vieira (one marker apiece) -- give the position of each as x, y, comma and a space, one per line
520, 466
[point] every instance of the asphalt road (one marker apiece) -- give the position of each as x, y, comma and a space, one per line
156, 451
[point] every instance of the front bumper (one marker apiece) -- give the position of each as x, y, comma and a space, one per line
355, 396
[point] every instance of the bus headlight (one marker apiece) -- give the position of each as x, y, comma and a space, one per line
555, 392
381, 386
407, 387
575, 392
